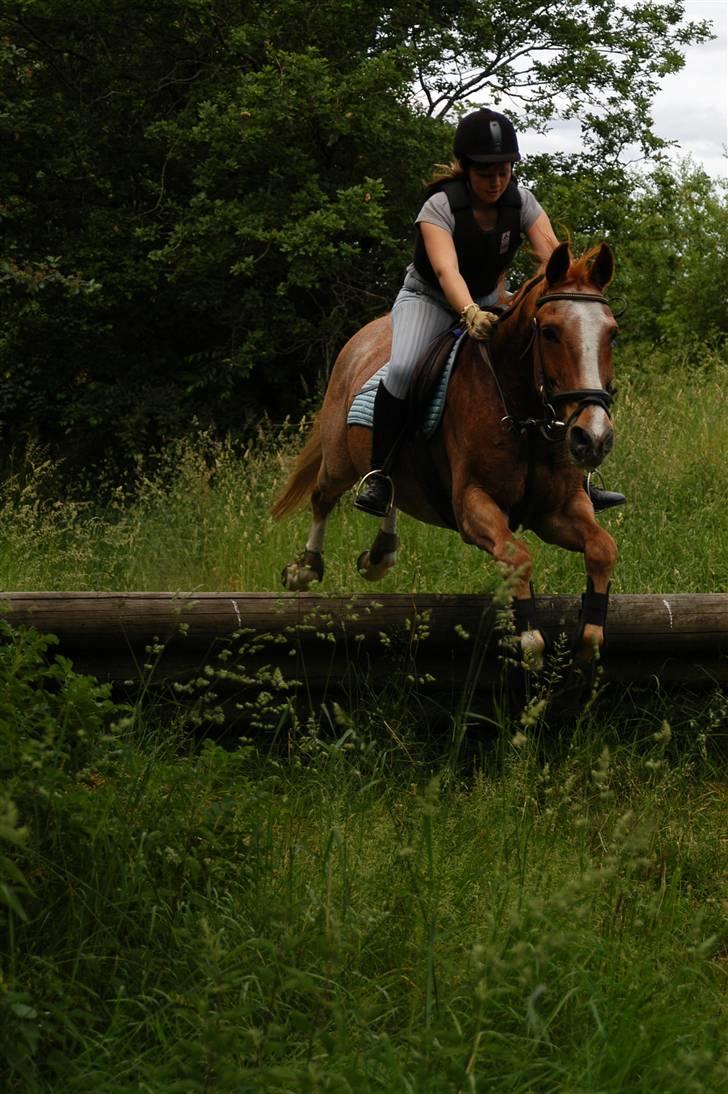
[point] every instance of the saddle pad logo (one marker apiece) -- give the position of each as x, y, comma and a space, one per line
505, 242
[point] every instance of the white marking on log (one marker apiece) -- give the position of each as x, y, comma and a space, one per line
669, 611
237, 612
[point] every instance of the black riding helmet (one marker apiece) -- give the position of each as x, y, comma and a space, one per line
485, 136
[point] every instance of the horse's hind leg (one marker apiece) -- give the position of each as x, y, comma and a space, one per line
376, 563
308, 567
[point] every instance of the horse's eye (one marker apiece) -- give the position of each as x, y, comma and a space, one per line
550, 334
614, 337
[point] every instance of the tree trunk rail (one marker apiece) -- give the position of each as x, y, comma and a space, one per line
678, 638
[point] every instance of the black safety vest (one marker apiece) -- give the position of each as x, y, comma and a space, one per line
482, 255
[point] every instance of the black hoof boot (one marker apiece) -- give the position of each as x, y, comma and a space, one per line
376, 494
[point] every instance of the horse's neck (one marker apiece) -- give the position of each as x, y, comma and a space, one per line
511, 357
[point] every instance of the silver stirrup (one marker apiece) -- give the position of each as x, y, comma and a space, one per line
362, 483
590, 475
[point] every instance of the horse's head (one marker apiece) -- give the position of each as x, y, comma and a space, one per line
572, 349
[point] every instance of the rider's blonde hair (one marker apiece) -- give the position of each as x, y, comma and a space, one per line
444, 172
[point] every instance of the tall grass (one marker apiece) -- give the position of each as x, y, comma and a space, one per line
355, 914
201, 521
350, 901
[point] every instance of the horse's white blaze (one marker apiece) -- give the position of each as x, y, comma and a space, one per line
589, 323
596, 420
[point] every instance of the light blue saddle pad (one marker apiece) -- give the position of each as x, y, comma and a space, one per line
361, 411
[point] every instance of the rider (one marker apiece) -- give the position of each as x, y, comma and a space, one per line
468, 232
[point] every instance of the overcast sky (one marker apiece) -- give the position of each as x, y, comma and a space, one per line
691, 107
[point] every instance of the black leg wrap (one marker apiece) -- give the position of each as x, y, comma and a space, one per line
594, 607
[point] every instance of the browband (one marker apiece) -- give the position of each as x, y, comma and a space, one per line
586, 298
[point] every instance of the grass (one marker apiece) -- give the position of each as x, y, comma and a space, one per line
357, 915
200, 521
349, 901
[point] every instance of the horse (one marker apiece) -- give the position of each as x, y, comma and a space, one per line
526, 415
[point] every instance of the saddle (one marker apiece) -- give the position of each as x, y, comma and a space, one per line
427, 392
427, 373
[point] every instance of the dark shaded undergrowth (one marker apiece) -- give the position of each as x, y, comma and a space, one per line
343, 902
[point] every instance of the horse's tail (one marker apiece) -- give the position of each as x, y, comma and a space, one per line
302, 478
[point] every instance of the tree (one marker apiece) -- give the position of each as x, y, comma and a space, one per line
675, 265
204, 199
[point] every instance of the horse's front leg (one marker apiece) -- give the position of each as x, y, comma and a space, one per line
484, 524
575, 528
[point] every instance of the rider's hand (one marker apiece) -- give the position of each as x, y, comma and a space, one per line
478, 323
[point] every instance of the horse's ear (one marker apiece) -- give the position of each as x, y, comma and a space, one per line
602, 268
558, 265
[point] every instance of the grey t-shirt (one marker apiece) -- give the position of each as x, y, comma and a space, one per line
436, 210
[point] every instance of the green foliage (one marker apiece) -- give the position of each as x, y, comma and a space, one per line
668, 228
202, 201
50, 718
356, 913
18, 1018
53, 722
677, 259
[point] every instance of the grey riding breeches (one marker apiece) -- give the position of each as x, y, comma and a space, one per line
420, 312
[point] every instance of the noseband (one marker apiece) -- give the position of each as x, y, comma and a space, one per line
550, 422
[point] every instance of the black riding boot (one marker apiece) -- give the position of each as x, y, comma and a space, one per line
377, 491
602, 499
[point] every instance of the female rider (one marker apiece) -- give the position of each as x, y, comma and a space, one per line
468, 232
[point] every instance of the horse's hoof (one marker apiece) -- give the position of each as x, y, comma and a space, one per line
300, 574
590, 645
532, 650
375, 571
362, 565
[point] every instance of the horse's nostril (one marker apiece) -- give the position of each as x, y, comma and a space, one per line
587, 449
580, 441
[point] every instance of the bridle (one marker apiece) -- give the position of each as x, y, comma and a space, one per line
550, 426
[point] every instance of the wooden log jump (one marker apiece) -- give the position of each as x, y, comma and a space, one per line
676, 638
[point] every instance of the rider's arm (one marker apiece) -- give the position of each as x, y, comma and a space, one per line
542, 238
444, 261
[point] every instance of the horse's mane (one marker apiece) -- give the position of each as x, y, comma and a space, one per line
580, 268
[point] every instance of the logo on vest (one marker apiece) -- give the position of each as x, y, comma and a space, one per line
505, 242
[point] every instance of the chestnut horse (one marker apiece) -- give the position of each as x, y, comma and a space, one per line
526, 414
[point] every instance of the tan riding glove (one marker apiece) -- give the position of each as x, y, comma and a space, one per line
478, 323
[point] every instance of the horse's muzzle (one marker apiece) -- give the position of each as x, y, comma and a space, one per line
591, 442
